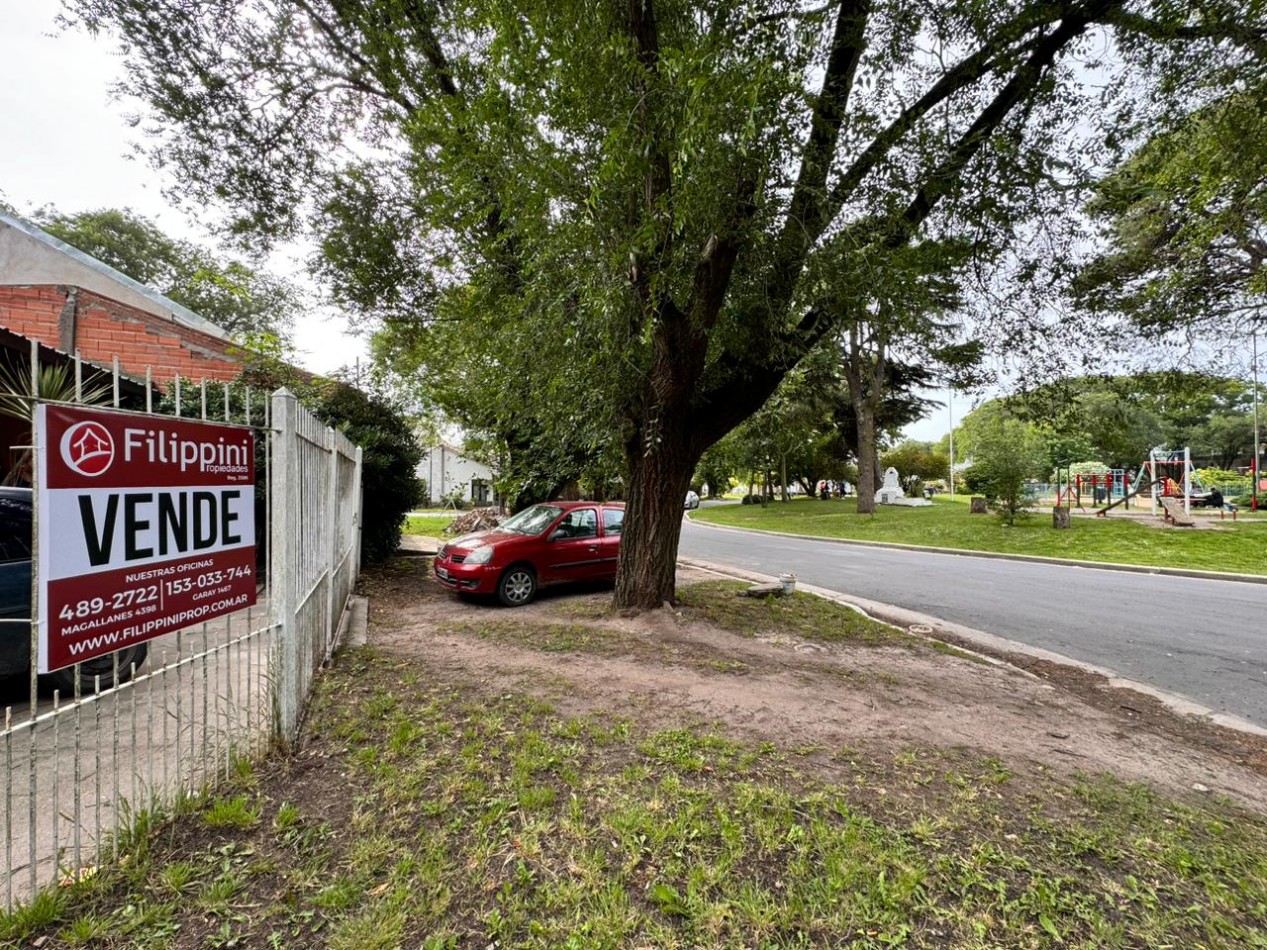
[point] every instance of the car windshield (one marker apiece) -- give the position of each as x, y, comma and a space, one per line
532, 520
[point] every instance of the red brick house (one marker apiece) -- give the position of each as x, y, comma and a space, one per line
54, 294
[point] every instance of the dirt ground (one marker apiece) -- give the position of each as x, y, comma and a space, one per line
668, 667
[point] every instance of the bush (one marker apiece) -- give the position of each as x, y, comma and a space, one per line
390, 457
1007, 455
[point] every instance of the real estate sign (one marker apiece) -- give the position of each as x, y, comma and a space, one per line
146, 524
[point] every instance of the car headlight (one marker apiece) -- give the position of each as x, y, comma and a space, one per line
480, 555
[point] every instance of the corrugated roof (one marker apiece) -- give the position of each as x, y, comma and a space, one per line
178, 313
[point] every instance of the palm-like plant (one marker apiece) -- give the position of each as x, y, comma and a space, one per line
19, 392
56, 383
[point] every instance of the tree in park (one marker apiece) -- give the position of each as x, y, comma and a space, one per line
1185, 220
917, 460
660, 193
236, 297
1006, 452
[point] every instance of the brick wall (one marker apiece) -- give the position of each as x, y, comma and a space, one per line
70, 318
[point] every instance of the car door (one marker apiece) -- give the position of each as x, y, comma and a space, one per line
573, 547
609, 547
15, 583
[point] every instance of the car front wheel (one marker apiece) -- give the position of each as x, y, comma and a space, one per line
517, 586
102, 666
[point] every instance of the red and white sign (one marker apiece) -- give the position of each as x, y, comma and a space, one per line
146, 525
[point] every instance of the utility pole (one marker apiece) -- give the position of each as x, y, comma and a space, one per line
1258, 449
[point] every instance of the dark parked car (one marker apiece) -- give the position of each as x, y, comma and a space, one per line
546, 544
15, 605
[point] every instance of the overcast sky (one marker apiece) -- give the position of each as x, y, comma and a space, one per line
66, 143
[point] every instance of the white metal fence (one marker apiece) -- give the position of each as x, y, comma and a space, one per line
78, 768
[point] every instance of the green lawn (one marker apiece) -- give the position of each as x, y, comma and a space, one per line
1239, 546
430, 524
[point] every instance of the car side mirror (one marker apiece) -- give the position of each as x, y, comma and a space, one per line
557, 534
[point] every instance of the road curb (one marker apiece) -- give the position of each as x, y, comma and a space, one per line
907, 620
1000, 556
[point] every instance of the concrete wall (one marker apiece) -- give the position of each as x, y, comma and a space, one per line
445, 469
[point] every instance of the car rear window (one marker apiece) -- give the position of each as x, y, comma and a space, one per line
613, 520
15, 529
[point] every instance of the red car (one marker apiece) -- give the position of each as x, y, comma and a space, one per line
546, 544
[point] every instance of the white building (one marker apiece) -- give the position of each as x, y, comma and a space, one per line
447, 471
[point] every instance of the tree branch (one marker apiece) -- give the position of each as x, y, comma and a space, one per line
643, 31
332, 35
1253, 40
807, 217
1022, 83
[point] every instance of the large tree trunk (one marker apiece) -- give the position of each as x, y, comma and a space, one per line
866, 456
657, 487
864, 373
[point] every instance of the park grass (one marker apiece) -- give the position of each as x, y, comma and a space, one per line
1235, 546
429, 524
419, 814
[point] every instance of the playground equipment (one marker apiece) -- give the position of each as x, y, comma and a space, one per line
1170, 480
1171, 475
1101, 487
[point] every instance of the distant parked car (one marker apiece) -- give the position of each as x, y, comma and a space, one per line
15, 605
692, 501
551, 543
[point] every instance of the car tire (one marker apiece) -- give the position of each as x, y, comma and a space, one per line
102, 666
518, 586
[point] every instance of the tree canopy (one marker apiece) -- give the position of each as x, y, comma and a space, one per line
231, 294
666, 203
1185, 219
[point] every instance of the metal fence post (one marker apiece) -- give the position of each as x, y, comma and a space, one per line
331, 553
283, 566
358, 502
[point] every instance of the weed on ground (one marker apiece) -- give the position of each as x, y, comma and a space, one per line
422, 814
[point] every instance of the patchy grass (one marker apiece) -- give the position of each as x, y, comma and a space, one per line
800, 615
420, 814
1235, 546
429, 525
544, 636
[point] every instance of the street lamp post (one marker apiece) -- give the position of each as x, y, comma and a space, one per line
1253, 500
950, 403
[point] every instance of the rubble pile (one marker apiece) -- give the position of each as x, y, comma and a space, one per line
478, 519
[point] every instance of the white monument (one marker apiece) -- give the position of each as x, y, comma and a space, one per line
891, 493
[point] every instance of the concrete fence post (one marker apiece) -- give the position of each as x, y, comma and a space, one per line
284, 568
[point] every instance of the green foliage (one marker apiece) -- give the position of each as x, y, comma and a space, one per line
236, 297
1235, 547
55, 381
389, 461
1117, 420
606, 233
1184, 218
1006, 453
917, 460
389, 483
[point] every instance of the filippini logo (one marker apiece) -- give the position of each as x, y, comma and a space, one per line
88, 449
162, 447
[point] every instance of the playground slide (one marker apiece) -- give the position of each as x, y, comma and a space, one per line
1139, 490
1174, 510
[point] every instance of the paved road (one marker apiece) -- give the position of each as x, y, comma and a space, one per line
1203, 639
